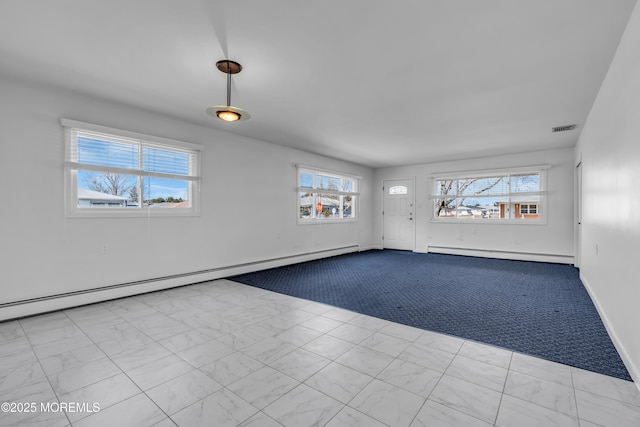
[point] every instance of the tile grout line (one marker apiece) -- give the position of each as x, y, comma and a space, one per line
114, 362
456, 354
41, 367
504, 387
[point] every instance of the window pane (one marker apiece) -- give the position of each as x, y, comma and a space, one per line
525, 183
446, 187
348, 208
348, 185
165, 161
445, 208
306, 179
328, 206
324, 182
482, 186
306, 205
98, 189
166, 193
104, 152
398, 189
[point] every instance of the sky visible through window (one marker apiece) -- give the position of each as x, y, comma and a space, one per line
306, 180
324, 182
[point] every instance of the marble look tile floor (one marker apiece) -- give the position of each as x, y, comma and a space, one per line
226, 354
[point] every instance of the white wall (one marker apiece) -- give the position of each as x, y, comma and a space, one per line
552, 241
248, 203
609, 147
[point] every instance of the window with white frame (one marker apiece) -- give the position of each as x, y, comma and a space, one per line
111, 172
491, 196
325, 196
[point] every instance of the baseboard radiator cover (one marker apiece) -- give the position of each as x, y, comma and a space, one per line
500, 254
39, 305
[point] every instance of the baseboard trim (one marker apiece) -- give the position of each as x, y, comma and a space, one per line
513, 255
47, 303
634, 370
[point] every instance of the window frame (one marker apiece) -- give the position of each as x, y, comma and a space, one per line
72, 210
317, 192
541, 194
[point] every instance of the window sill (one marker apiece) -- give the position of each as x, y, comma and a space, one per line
325, 221
123, 213
490, 222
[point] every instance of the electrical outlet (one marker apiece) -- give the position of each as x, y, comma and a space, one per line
105, 248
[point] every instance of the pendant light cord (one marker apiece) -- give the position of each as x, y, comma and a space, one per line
228, 85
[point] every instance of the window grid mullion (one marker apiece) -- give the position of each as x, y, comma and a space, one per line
140, 179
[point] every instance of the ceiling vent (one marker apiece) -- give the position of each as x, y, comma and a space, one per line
563, 128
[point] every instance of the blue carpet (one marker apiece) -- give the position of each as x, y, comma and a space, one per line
539, 309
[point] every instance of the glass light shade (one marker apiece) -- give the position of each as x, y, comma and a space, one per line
228, 116
228, 113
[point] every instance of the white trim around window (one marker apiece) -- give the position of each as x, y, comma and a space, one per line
117, 173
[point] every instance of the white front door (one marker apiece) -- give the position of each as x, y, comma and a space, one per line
398, 213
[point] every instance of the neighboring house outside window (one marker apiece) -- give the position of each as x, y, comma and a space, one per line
111, 172
527, 210
96, 198
325, 196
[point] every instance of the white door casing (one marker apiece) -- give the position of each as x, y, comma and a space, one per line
578, 237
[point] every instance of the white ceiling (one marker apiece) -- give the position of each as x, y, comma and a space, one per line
380, 83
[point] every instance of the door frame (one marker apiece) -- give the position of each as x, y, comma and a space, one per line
412, 201
577, 256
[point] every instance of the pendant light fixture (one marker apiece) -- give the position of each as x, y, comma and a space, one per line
227, 112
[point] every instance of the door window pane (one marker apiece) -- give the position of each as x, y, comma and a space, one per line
398, 189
